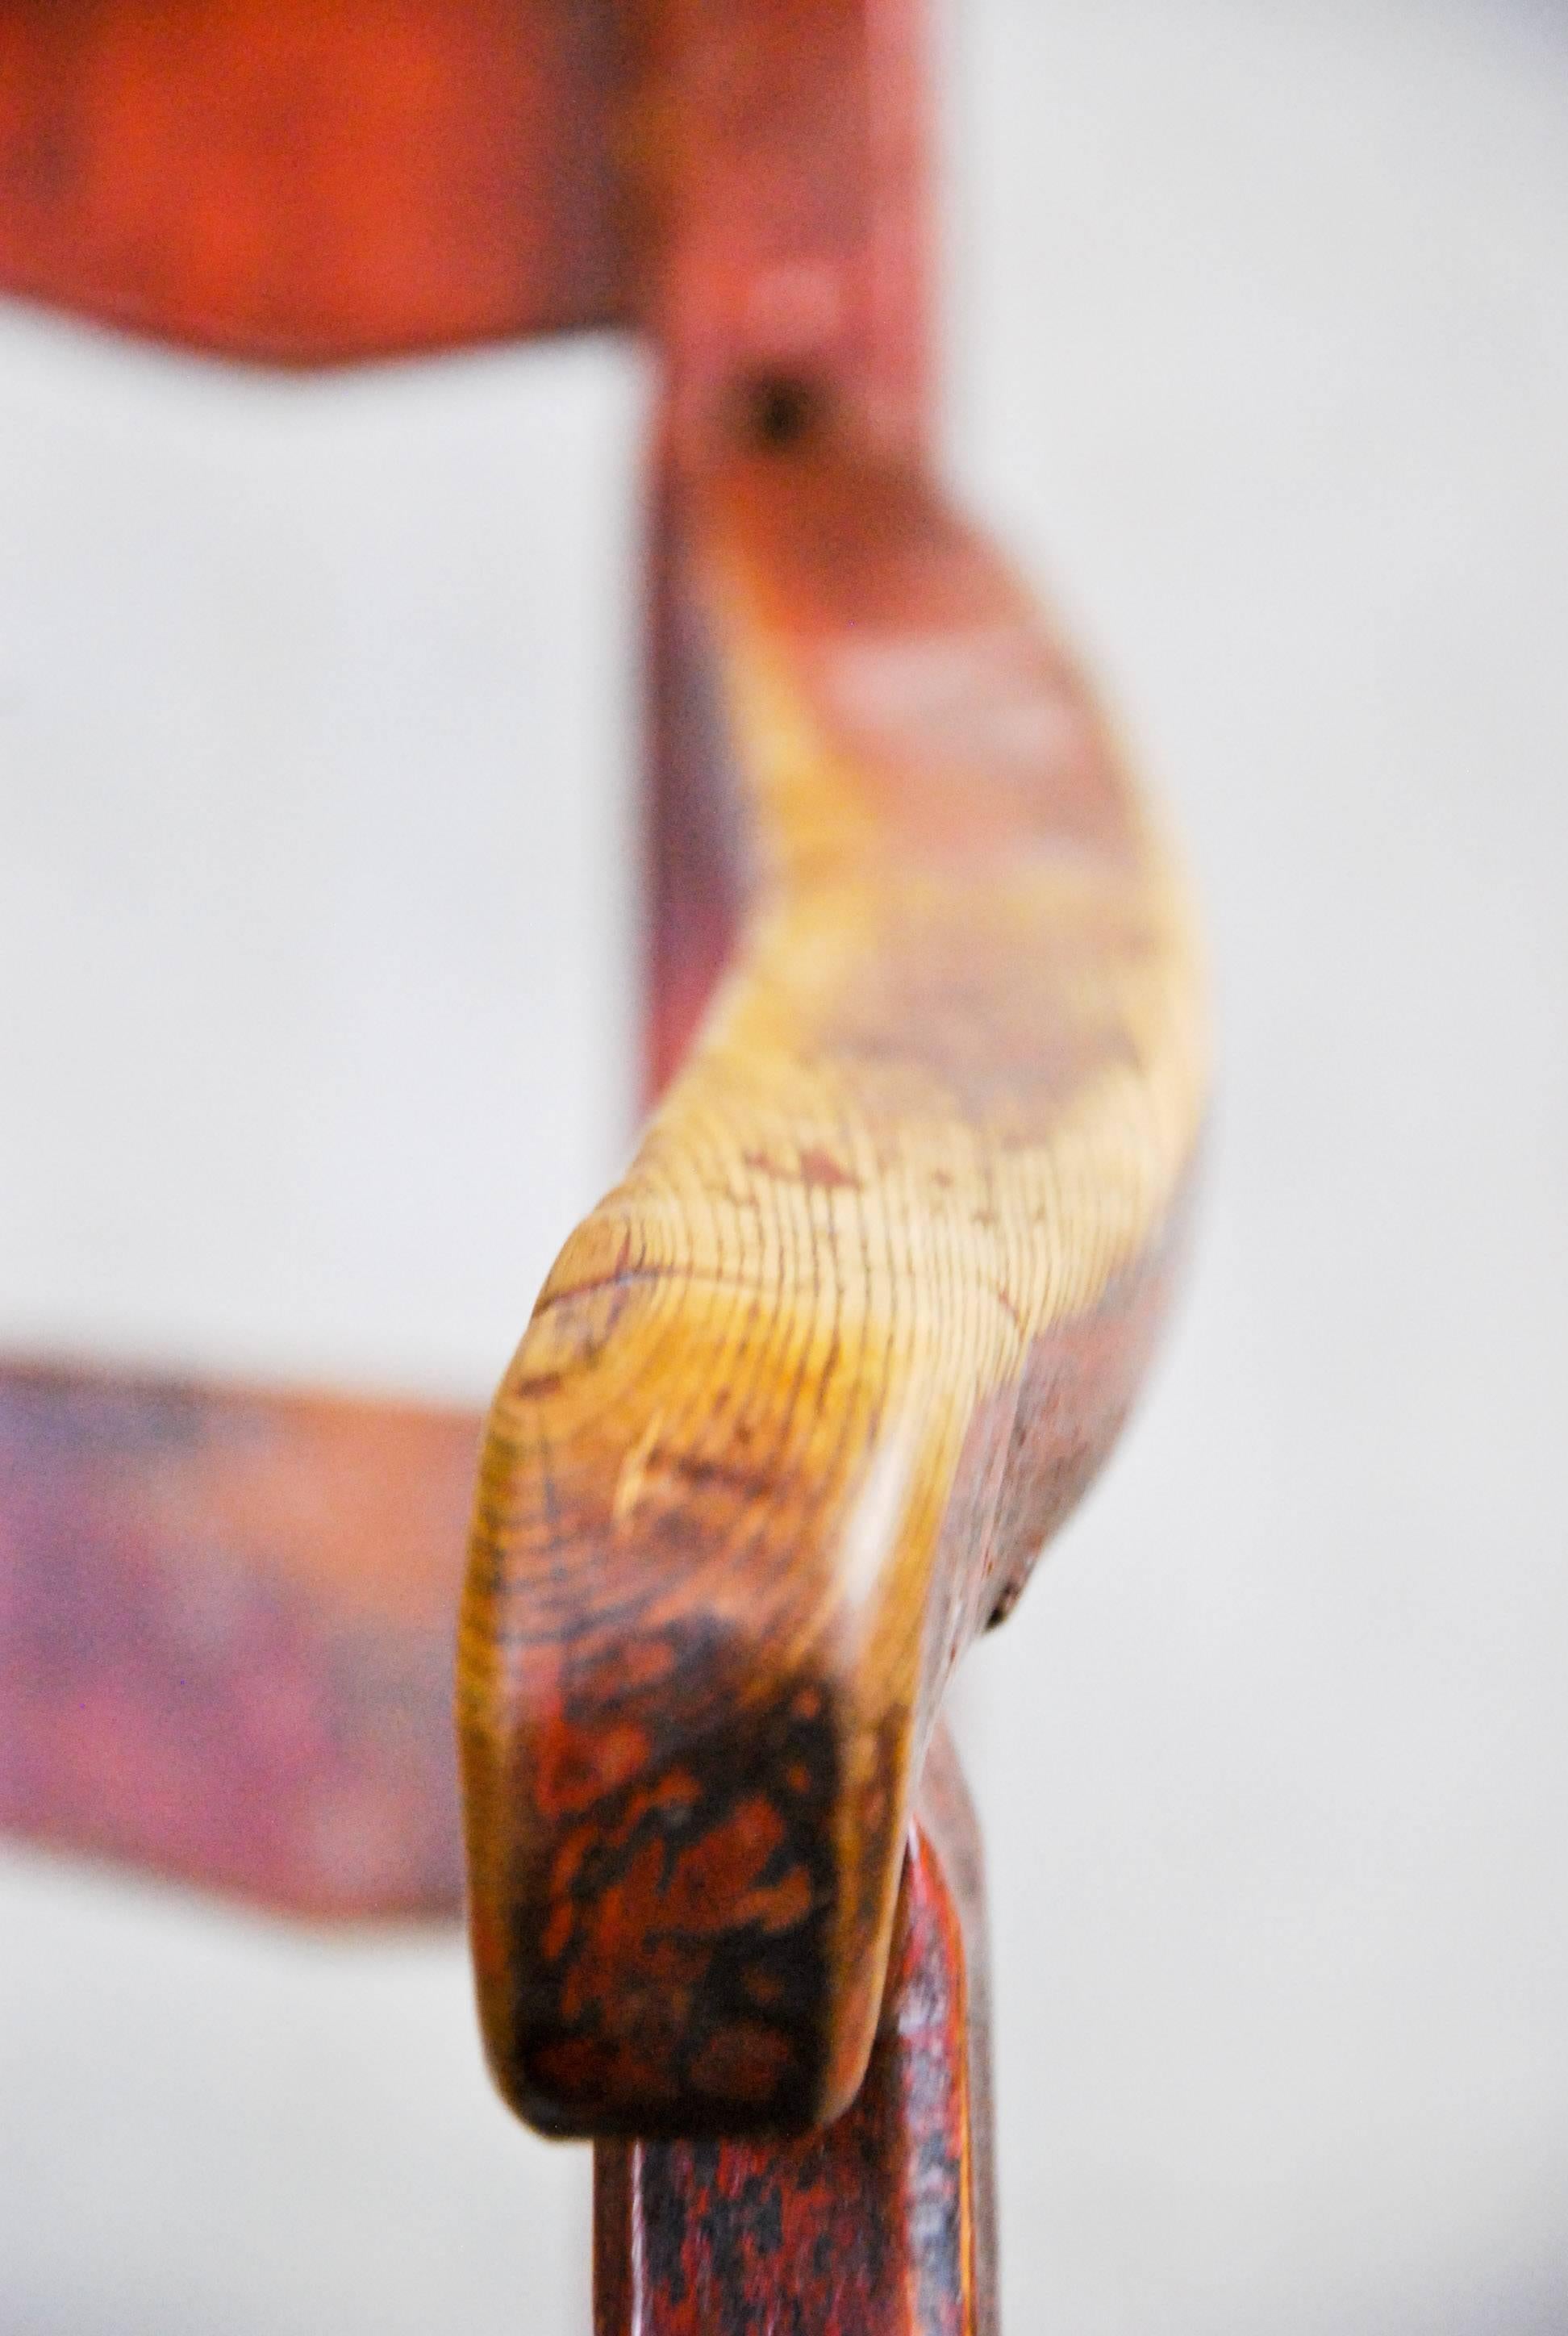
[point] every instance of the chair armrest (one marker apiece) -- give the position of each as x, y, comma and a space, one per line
803, 1397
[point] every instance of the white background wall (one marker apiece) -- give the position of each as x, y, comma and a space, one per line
316, 926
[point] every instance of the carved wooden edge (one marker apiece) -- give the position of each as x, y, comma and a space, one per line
882, 2223
302, 182
226, 1635
802, 1399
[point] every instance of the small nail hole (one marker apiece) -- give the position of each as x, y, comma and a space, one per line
778, 410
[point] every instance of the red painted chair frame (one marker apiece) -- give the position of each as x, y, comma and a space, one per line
745, 179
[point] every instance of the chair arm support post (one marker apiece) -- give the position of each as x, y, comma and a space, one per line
883, 2223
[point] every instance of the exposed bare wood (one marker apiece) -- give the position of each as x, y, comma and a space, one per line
805, 1396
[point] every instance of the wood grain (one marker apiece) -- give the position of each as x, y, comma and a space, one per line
883, 2224
226, 1635
307, 182
803, 1397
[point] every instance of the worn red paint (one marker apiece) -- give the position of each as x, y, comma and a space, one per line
209, 1665
304, 182
226, 1630
882, 2225
780, 260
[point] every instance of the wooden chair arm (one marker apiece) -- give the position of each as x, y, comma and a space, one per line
803, 1397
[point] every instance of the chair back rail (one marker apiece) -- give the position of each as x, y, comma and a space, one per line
312, 181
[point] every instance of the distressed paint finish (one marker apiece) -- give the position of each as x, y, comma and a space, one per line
802, 1398
800, 1395
225, 1627
880, 2225
310, 180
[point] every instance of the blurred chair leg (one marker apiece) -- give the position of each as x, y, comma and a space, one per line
882, 2225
